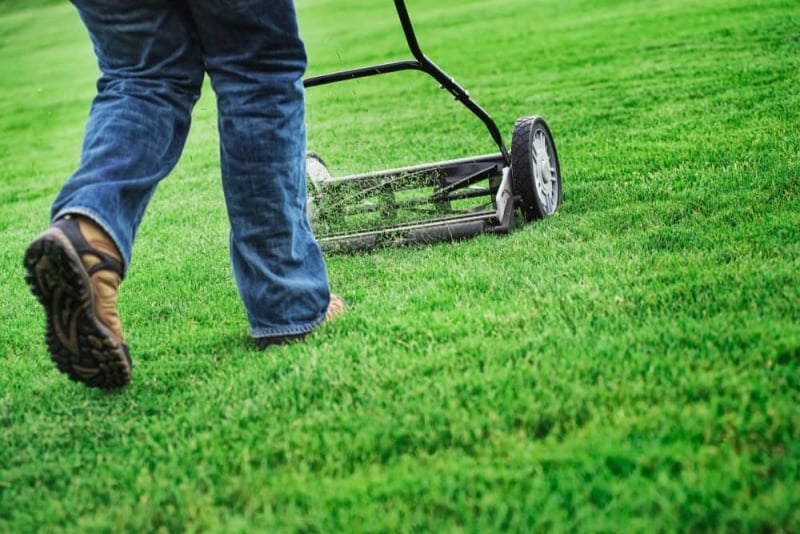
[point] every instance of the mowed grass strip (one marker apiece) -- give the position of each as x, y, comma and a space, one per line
629, 364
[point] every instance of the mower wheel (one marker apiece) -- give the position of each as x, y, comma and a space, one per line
316, 176
316, 170
535, 171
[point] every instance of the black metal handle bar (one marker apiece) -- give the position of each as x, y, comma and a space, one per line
422, 63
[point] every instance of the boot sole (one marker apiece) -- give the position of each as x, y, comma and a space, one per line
81, 346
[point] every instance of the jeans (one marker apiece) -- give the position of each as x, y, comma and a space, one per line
153, 55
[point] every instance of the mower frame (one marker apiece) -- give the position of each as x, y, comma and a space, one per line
450, 178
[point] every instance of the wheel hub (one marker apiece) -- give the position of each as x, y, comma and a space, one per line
543, 171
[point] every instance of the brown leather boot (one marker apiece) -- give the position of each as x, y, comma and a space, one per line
74, 270
336, 307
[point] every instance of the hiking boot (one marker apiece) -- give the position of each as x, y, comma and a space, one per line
336, 307
74, 270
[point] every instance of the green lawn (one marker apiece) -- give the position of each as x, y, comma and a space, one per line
629, 365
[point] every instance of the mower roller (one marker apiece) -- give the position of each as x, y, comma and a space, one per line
431, 202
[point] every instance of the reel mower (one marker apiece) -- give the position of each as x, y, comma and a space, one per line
431, 202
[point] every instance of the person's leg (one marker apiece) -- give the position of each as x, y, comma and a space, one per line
256, 59
152, 73
151, 76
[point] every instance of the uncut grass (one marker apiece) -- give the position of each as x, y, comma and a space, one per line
631, 362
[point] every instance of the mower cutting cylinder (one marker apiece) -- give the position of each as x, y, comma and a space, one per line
421, 204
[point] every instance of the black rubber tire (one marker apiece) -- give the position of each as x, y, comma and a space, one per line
535, 170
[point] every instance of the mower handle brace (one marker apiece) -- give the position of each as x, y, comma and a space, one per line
422, 63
